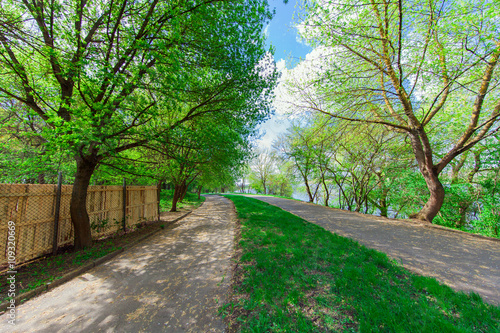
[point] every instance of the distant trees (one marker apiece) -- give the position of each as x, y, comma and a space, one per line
336, 160
105, 77
262, 168
298, 147
269, 175
205, 151
424, 69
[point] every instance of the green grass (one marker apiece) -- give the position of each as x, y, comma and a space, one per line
271, 195
294, 276
190, 200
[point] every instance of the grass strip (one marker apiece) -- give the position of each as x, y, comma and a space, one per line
294, 276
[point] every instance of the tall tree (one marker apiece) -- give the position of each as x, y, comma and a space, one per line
413, 66
100, 73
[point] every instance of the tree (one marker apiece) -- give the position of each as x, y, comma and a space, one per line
206, 151
298, 145
411, 66
99, 74
24, 156
262, 167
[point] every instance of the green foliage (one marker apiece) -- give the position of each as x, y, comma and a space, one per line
457, 204
298, 277
488, 222
407, 191
190, 200
280, 184
94, 80
421, 70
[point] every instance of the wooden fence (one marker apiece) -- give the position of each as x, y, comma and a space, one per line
32, 209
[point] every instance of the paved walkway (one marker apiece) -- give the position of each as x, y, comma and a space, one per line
171, 282
461, 261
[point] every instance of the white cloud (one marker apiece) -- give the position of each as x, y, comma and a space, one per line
281, 65
272, 128
295, 84
293, 92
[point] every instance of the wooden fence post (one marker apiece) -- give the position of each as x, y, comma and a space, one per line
124, 208
158, 191
56, 213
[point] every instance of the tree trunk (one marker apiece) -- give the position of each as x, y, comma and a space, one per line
383, 206
41, 178
78, 206
183, 192
308, 189
462, 211
177, 189
327, 193
199, 191
436, 199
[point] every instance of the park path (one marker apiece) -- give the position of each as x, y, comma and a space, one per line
462, 261
171, 282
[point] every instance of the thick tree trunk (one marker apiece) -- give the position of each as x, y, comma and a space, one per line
78, 206
436, 199
177, 190
383, 199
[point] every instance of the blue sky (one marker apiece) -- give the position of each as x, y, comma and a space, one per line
282, 34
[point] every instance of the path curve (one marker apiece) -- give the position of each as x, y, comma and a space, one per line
171, 282
462, 261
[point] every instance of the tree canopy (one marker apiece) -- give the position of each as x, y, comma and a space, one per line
105, 77
425, 69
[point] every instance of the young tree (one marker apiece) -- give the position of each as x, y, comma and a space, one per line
412, 66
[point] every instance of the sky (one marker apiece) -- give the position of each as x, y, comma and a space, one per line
282, 35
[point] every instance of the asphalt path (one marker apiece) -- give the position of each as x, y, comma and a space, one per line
460, 260
171, 282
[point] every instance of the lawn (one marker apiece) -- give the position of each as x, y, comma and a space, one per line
294, 276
